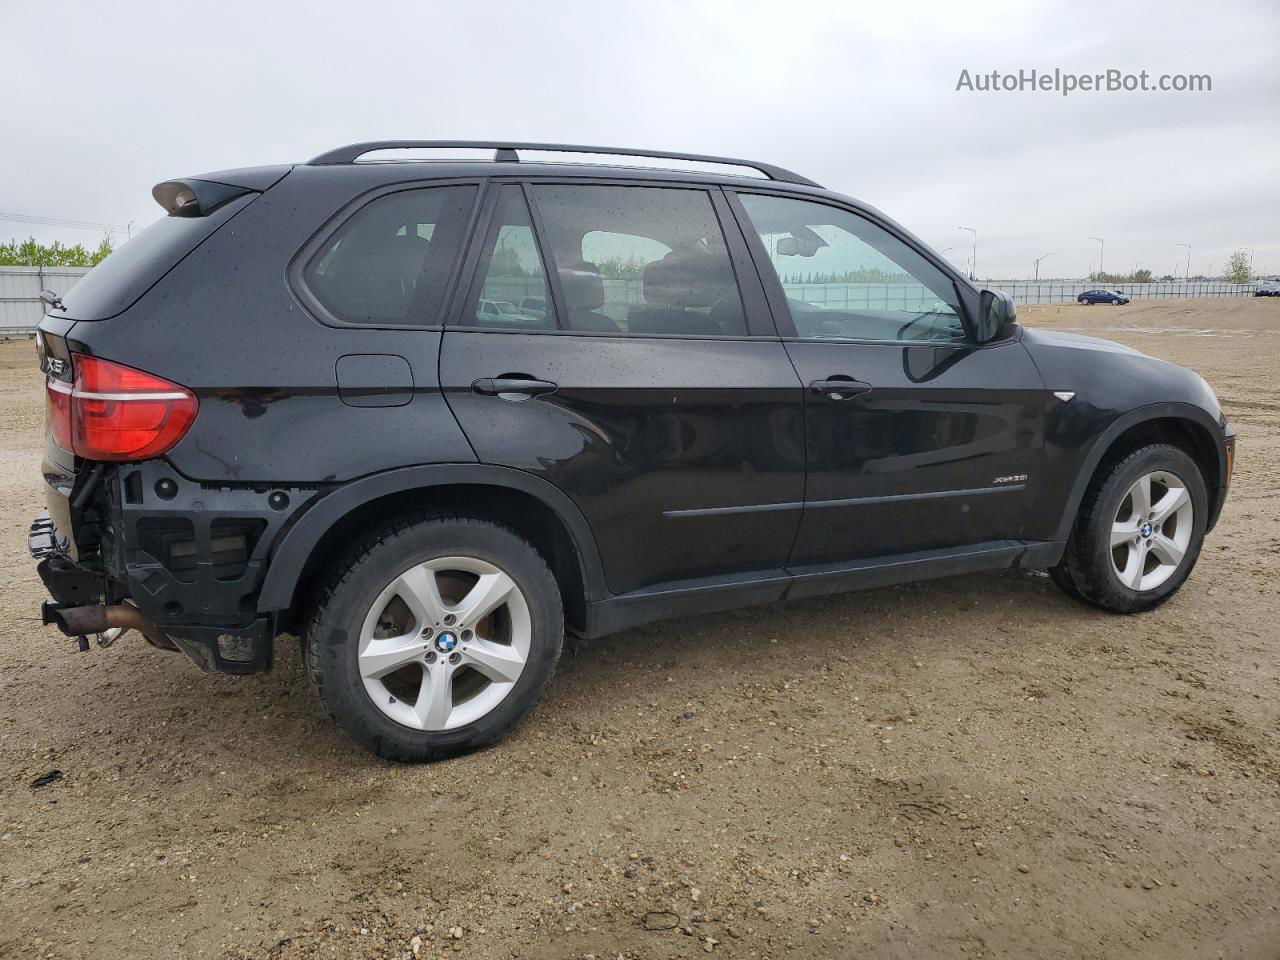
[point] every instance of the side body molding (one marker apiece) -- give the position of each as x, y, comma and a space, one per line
296, 544
1155, 411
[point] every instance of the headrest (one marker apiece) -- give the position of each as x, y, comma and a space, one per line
397, 257
377, 279
582, 286
683, 279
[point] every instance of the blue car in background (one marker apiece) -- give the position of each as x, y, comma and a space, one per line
1102, 296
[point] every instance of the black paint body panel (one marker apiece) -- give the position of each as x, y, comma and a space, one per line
1115, 388
639, 428
944, 451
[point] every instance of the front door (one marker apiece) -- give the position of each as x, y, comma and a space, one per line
918, 439
620, 360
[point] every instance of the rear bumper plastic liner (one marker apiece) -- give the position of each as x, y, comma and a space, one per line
244, 647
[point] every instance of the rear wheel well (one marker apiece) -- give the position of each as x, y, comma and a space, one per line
521, 512
1187, 435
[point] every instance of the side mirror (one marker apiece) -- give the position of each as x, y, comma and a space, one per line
997, 314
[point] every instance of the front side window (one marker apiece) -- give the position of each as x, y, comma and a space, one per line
847, 279
643, 261
391, 262
511, 272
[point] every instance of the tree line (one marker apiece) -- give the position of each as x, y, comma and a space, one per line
30, 253
1237, 269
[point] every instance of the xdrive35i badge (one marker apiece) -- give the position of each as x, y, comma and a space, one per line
1012, 478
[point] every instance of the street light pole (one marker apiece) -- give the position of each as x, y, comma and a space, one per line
1038, 264
1187, 274
1102, 248
973, 264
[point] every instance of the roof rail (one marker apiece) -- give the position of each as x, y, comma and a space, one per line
505, 152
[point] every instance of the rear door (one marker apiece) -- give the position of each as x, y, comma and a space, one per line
652, 389
918, 439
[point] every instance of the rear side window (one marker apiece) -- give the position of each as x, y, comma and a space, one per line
644, 261
390, 263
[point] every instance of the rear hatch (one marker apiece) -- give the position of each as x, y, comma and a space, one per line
196, 208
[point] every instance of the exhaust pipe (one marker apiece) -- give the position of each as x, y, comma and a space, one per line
96, 618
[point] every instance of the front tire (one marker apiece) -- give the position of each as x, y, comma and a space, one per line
435, 636
1061, 578
1138, 533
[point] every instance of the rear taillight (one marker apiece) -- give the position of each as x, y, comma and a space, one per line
114, 412
58, 394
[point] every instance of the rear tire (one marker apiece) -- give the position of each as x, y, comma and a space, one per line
1138, 533
435, 636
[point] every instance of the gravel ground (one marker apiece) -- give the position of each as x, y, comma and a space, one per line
974, 767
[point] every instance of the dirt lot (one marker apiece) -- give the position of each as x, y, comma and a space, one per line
975, 767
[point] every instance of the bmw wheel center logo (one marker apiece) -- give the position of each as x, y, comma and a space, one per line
446, 641
1145, 529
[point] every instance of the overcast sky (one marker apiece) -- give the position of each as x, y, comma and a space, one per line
106, 99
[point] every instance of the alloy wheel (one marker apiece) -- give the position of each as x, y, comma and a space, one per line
444, 643
1151, 531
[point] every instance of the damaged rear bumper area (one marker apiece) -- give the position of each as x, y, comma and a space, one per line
77, 604
175, 570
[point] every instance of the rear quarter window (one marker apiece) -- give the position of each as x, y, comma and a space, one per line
390, 263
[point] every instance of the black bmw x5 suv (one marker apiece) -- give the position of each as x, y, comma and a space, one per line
428, 415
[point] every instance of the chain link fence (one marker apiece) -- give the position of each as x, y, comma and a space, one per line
622, 294
912, 296
1066, 291
21, 307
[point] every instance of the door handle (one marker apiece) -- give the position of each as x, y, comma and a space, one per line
513, 388
840, 388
